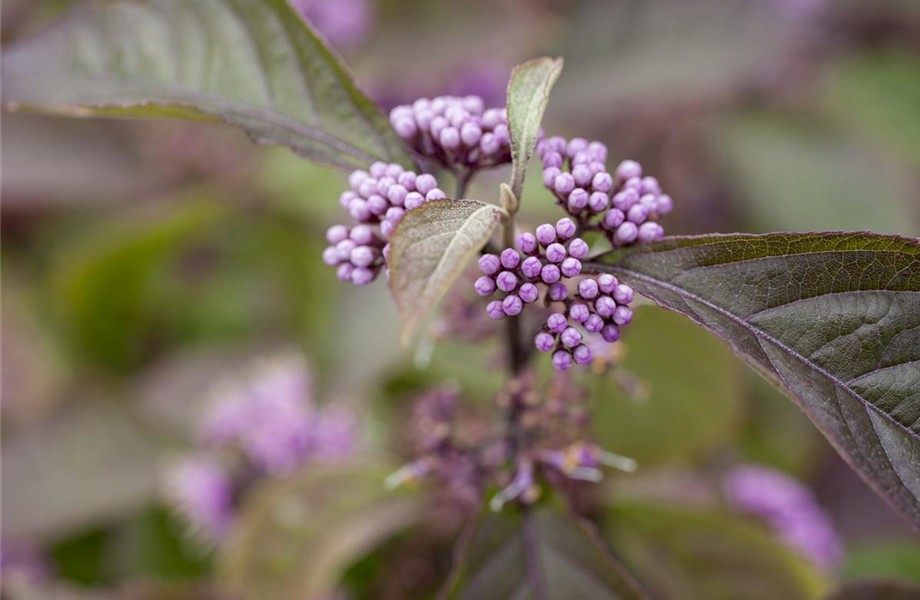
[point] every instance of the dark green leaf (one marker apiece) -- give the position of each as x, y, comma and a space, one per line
295, 537
528, 93
692, 554
430, 248
250, 63
876, 589
833, 319
571, 562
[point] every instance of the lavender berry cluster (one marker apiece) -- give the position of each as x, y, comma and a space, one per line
377, 201
550, 256
623, 205
455, 131
600, 306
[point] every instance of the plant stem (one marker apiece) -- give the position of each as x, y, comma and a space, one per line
463, 177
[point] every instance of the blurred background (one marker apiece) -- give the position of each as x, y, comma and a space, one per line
143, 262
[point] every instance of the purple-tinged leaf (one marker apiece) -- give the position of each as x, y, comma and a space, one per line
253, 64
832, 319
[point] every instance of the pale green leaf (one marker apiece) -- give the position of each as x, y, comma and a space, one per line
528, 94
430, 248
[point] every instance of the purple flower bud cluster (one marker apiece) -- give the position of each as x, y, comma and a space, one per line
262, 424
623, 204
455, 131
377, 201
788, 507
599, 306
542, 260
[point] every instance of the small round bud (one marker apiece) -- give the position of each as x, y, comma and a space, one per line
544, 342
578, 248
665, 204
526, 243
450, 138
623, 294
361, 235
570, 267
344, 271
336, 234
407, 180
557, 143
626, 234
555, 253
344, 249
582, 355
438, 124
386, 252
506, 281
649, 201
637, 214
529, 293
570, 337
473, 104
610, 333
614, 218
598, 202
363, 256
578, 200
593, 323
395, 214
626, 199
489, 264
413, 200
495, 311
510, 258
587, 289
575, 146
387, 227
579, 312
355, 179
425, 183
597, 151
502, 134
650, 231
602, 182
650, 186
557, 292
394, 170
565, 228
531, 267
550, 274
484, 286
604, 306
377, 204
346, 197
582, 175
562, 360
549, 176
405, 127
607, 283
546, 234
331, 256
362, 276
556, 322
489, 144
512, 305
628, 169
359, 210
552, 159
435, 194
491, 118
384, 184
378, 169
622, 315
470, 134
397, 194
564, 183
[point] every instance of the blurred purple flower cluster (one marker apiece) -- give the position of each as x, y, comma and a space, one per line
345, 23
261, 424
788, 507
